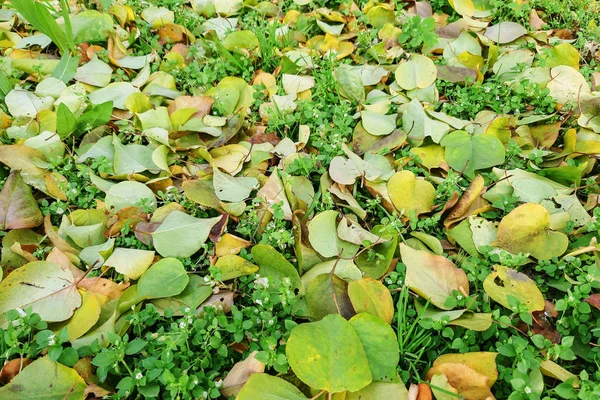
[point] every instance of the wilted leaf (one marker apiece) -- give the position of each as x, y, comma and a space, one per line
505, 284
433, 277
130, 262
47, 288
231, 266
328, 294
410, 194
526, 229
370, 296
43, 376
18, 208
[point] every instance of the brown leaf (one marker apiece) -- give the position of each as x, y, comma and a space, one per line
103, 286
542, 326
62, 259
12, 369
470, 203
594, 300
221, 301
217, 230
460, 376
126, 216
143, 231
202, 103
535, 21
171, 33
18, 208
97, 392
240, 373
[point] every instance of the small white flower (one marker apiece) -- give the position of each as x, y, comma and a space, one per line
182, 324
459, 297
60, 211
139, 376
527, 389
187, 309
218, 383
258, 302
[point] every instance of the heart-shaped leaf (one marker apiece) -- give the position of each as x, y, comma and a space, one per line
526, 229
328, 355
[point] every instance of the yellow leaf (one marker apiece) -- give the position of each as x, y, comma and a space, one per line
410, 194
526, 229
514, 284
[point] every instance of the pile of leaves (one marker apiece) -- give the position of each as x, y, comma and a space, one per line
300, 199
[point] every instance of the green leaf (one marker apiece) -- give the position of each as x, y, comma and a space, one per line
380, 344
350, 84
46, 287
181, 235
91, 26
166, 278
45, 379
65, 121
273, 265
132, 158
378, 124
95, 72
417, 124
267, 387
129, 193
380, 390
328, 355
66, 68
40, 18
99, 115
322, 234
466, 153
230, 188
84, 227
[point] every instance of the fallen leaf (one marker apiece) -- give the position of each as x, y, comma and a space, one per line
505, 283
432, 277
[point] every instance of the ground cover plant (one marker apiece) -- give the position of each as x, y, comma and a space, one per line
300, 199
